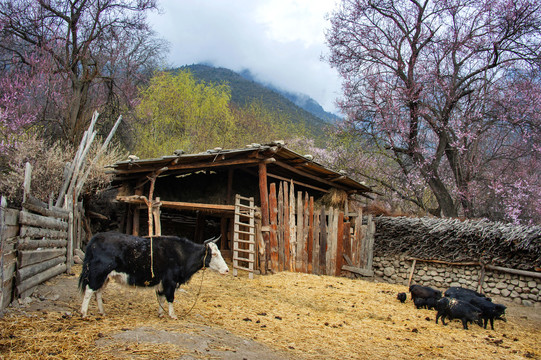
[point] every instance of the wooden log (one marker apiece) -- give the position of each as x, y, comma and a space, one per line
331, 243
322, 242
370, 234
349, 262
136, 212
26, 218
514, 271
411, 272
79, 253
82, 179
35, 205
300, 233
464, 263
260, 247
273, 210
30, 257
287, 230
315, 252
281, 229
356, 270
481, 279
27, 180
69, 248
29, 244
29, 271
292, 228
31, 232
40, 278
75, 164
310, 251
79, 165
339, 243
305, 213
264, 199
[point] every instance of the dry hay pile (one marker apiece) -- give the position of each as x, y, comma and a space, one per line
305, 316
454, 240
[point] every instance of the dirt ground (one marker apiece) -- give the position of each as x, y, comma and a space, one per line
283, 316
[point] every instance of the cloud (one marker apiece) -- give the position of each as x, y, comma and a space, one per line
280, 41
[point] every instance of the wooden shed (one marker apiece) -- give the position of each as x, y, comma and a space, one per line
257, 198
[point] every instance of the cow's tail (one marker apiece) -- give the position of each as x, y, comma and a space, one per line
85, 272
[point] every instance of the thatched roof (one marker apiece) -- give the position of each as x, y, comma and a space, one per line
453, 240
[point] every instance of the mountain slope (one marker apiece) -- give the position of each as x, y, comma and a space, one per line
245, 91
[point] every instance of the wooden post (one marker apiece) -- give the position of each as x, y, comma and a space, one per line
358, 240
323, 242
347, 240
287, 230
68, 203
411, 272
292, 228
481, 279
273, 209
315, 252
339, 244
310, 252
264, 198
305, 213
300, 233
260, 247
156, 215
27, 180
281, 229
150, 204
370, 232
136, 212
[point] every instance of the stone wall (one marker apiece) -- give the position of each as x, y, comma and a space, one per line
520, 289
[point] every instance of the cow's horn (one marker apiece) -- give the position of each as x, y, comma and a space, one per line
214, 240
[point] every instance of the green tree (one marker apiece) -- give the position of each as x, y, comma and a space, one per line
177, 112
255, 123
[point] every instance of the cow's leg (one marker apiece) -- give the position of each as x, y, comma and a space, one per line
100, 301
169, 293
99, 298
161, 304
86, 301
172, 311
97, 282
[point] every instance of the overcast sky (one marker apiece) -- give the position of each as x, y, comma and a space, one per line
279, 41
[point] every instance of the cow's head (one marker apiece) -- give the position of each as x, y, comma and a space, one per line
217, 262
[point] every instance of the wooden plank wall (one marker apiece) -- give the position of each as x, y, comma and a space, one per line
42, 245
310, 240
9, 230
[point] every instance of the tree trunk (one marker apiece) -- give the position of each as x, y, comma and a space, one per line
445, 201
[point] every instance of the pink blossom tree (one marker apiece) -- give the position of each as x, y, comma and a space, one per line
97, 51
445, 89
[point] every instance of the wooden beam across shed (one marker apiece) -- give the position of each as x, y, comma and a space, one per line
179, 205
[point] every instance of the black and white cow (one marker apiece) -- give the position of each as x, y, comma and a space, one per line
128, 259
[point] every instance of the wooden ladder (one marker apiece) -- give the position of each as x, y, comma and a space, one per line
244, 235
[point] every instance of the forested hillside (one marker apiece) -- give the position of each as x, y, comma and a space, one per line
245, 91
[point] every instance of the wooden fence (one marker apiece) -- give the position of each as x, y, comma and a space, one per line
323, 241
36, 243
42, 247
9, 230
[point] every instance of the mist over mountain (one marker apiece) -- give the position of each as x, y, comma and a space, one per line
245, 89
